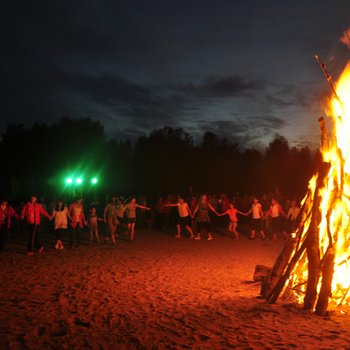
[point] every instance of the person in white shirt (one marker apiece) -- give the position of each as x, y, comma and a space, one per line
61, 215
257, 216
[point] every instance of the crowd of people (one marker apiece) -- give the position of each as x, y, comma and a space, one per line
194, 216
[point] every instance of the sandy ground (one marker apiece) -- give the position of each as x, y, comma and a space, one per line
153, 293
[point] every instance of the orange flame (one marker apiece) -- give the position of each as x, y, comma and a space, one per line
335, 200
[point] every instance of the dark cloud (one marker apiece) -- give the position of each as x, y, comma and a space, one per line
246, 132
269, 122
226, 86
280, 102
137, 65
306, 95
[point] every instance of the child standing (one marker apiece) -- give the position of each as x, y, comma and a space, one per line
92, 223
110, 218
232, 213
60, 213
76, 211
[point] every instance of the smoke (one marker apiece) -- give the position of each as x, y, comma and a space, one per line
345, 39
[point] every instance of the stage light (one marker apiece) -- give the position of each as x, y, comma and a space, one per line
78, 180
69, 180
94, 180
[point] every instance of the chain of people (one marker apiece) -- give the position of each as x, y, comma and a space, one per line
193, 217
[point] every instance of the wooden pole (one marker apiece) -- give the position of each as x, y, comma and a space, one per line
312, 249
326, 287
272, 287
329, 78
268, 287
278, 287
313, 257
285, 265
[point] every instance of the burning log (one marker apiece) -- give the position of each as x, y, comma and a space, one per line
273, 285
269, 286
323, 133
285, 263
314, 266
312, 247
326, 287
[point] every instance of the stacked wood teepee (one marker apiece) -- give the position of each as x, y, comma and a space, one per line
314, 265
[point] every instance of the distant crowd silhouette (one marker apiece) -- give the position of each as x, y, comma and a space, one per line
192, 216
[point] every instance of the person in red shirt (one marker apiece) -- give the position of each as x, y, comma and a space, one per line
6, 213
232, 213
31, 213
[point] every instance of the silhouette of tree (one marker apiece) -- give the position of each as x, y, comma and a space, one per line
277, 159
37, 158
250, 168
163, 160
217, 164
118, 174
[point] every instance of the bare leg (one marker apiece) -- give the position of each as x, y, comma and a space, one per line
234, 229
129, 230
252, 235
230, 227
97, 237
113, 229
178, 227
188, 228
132, 231
263, 236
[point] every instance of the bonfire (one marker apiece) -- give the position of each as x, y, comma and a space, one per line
314, 266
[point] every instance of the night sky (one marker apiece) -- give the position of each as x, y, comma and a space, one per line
242, 69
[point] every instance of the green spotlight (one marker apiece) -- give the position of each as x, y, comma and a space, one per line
69, 180
94, 180
78, 180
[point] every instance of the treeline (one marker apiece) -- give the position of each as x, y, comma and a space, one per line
37, 159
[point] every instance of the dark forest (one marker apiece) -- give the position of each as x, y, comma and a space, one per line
37, 159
